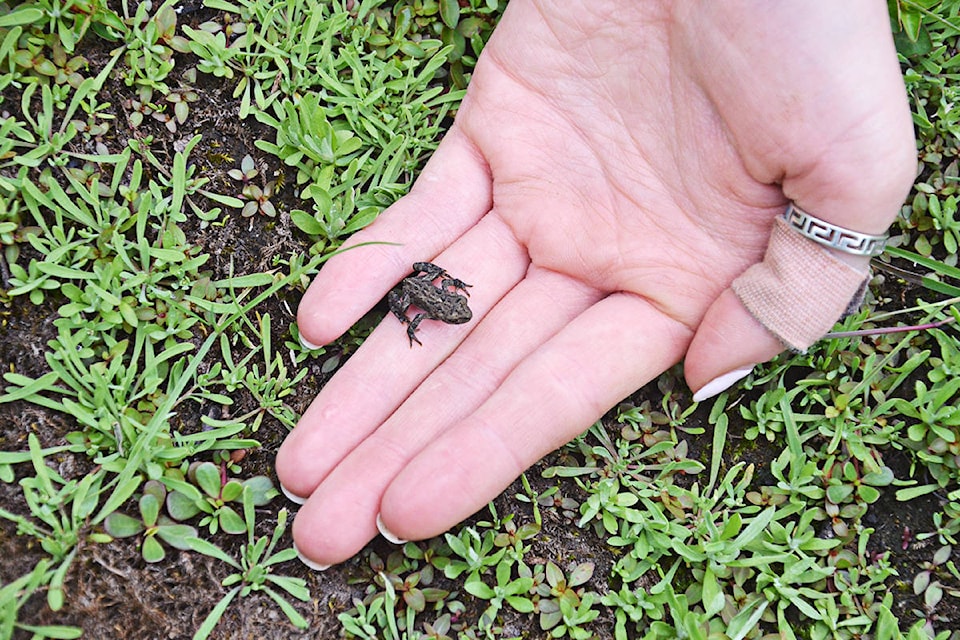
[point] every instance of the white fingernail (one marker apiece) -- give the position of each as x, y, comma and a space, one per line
307, 344
292, 497
386, 533
316, 566
721, 383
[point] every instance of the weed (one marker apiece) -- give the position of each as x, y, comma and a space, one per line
210, 492
506, 590
254, 570
60, 510
154, 526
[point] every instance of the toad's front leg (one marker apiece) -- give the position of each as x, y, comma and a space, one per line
457, 284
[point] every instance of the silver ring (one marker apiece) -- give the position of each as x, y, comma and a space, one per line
830, 235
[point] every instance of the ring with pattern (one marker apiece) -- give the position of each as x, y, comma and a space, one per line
830, 235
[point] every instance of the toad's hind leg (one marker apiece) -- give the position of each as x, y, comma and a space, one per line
412, 329
399, 303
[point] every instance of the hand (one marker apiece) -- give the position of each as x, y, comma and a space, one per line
614, 166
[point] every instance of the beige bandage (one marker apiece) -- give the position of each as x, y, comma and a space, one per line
800, 290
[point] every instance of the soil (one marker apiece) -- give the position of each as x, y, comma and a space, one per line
112, 592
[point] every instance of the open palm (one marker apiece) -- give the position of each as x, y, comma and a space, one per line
614, 166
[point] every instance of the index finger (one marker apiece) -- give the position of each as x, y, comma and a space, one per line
452, 193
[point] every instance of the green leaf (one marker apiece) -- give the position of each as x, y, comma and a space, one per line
55, 590
360, 220
746, 620
942, 555
868, 494
222, 5
56, 632
128, 314
27, 386
880, 478
227, 201
231, 521
456, 544
837, 493
580, 574
521, 604
932, 596
149, 509
126, 486
713, 599
295, 618
181, 507
24, 14
924, 261
719, 439
152, 550
209, 549
215, 614
888, 625
231, 491
911, 20
120, 525
476, 587
306, 222
554, 574
167, 255
755, 529
176, 535
207, 477
261, 489
296, 587
250, 280
415, 600
450, 12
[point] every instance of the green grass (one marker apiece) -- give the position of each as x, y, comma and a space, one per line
93, 221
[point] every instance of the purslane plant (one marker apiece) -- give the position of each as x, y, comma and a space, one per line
154, 525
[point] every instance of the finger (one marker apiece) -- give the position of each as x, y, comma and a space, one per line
793, 297
729, 342
452, 193
340, 516
607, 352
386, 369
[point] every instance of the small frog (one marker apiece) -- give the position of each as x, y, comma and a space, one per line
436, 302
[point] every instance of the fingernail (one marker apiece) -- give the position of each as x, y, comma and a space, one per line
316, 566
721, 383
292, 497
306, 344
386, 533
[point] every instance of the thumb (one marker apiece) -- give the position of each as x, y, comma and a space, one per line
790, 299
727, 345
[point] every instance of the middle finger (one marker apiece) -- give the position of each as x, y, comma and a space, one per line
386, 369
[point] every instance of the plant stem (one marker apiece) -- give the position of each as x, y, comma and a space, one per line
884, 330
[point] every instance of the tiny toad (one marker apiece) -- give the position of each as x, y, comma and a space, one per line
435, 302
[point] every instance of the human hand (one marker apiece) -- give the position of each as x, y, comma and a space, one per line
614, 167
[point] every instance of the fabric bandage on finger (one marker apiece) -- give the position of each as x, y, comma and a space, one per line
800, 290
